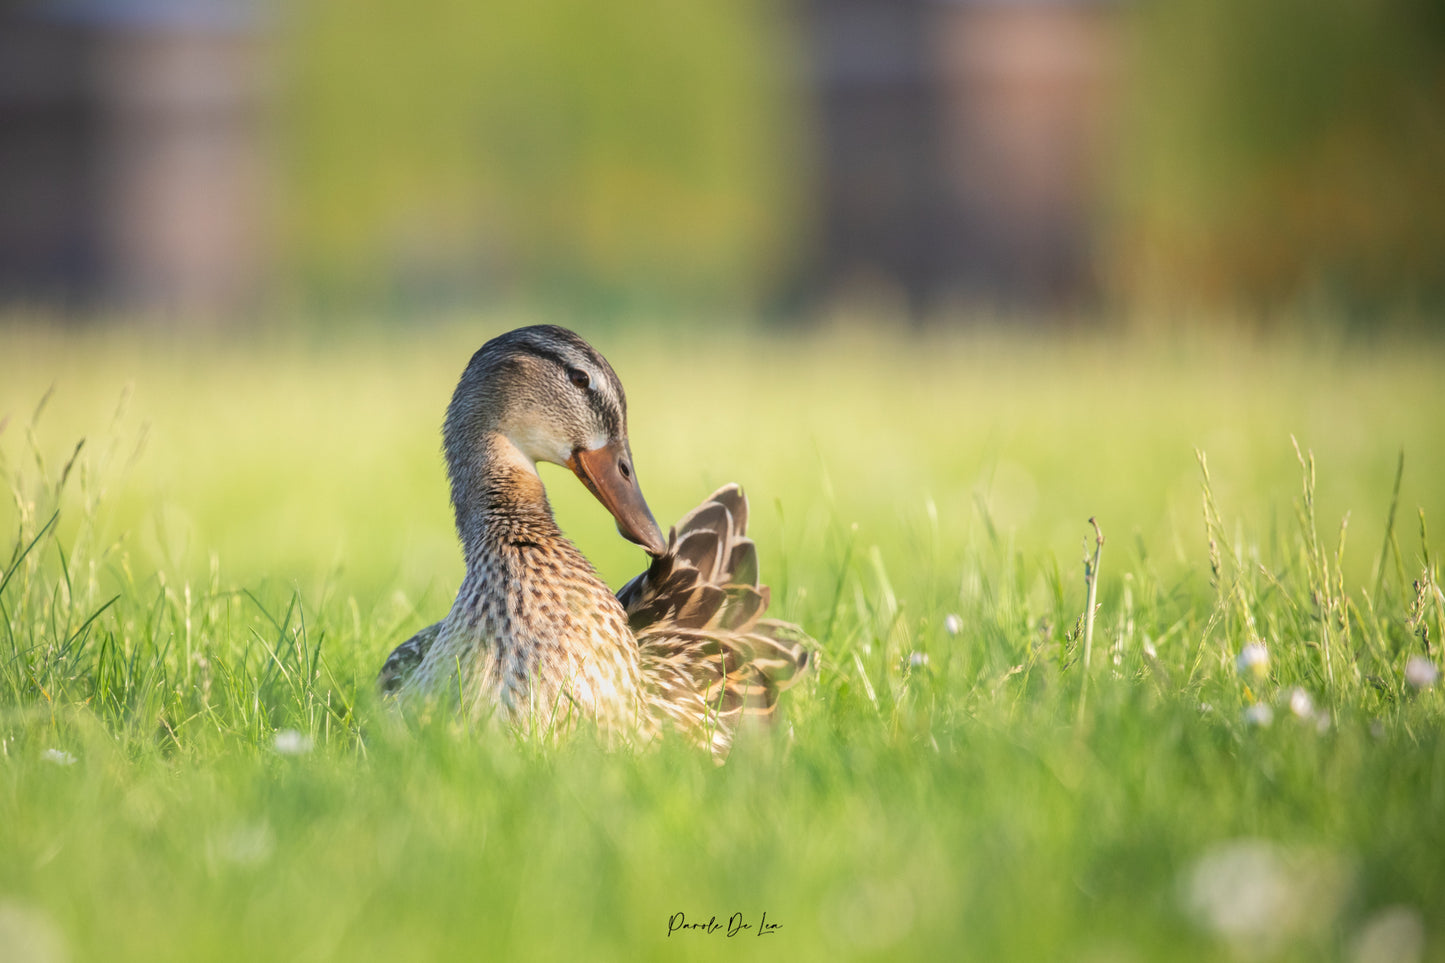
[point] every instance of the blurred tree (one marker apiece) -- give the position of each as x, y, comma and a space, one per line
1284, 149
452, 148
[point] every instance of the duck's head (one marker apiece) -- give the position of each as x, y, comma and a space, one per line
555, 399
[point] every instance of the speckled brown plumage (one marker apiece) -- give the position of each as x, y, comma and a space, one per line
534, 634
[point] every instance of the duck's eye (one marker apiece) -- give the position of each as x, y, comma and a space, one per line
579, 377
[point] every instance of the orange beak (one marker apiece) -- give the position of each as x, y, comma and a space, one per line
607, 473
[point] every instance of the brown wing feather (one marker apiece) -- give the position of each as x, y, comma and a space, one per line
743, 563
731, 497
710, 656
700, 550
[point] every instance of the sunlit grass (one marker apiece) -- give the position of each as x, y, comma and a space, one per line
194, 765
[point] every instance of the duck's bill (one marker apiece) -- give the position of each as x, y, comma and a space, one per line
607, 473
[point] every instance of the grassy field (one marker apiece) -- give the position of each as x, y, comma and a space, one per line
1242, 757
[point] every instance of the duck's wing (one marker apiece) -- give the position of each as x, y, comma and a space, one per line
697, 612
405, 658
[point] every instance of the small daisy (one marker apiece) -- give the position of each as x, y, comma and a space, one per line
952, 624
1301, 704
1259, 714
1395, 933
1260, 898
1421, 673
58, 756
289, 742
1253, 660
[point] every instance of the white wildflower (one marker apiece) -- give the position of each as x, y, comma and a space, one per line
1395, 934
59, 756
1301, 704
1259, 714
1421, 673
952, 624
1253, 660
289, 742
29, 933
918, 659
248, 845
1259, 897
1237, 889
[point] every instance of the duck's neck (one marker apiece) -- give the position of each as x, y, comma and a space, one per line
498, 499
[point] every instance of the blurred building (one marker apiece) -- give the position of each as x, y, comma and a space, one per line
960, 146
132, 169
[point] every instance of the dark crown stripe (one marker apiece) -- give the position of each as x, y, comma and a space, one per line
546, 354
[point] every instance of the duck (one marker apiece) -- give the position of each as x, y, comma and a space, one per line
535, 637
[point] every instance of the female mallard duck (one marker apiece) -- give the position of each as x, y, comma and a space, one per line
534, 631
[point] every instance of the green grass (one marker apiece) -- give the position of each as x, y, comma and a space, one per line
232, 554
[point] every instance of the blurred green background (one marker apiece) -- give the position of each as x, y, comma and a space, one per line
496, 152
921, 159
